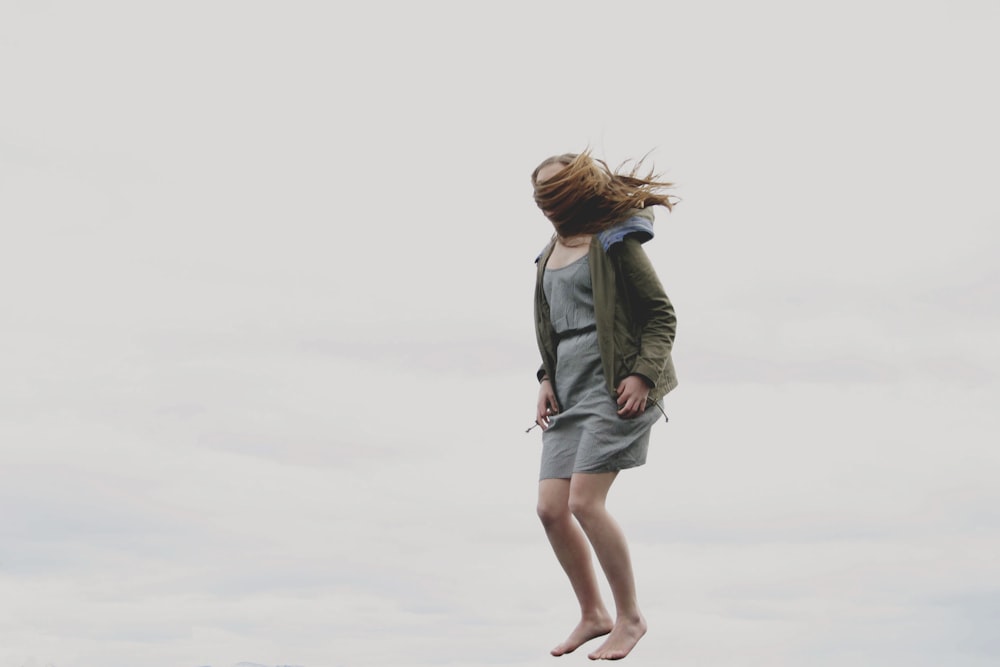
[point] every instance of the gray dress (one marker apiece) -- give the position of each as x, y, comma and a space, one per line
587, 435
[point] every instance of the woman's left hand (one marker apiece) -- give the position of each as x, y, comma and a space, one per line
632, 394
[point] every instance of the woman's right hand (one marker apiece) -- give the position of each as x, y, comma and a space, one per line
547, 405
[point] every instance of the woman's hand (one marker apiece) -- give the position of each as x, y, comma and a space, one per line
547, 405
632, 394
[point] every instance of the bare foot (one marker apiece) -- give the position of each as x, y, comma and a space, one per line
623, 638
583, 633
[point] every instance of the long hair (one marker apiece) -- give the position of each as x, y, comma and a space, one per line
587, 196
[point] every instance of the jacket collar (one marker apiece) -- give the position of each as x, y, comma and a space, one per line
639, 222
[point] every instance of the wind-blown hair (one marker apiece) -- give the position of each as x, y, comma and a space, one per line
588, 197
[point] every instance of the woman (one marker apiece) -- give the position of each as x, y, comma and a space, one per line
605, 329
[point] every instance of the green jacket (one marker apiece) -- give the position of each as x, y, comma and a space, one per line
635, 319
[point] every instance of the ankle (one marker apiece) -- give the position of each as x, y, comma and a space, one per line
632, 617
600, 615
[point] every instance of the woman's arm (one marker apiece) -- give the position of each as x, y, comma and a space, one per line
651, 309
547, 406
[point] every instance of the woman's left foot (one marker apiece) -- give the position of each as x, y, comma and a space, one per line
623, 638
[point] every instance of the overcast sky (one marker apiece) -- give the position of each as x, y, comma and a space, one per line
266, 273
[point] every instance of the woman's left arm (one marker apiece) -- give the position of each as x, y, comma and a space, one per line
652, 310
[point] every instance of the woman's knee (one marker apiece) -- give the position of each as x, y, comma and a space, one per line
551, 512
587, 493
584, 507
552, 497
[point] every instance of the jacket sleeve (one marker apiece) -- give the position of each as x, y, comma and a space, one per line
652, 312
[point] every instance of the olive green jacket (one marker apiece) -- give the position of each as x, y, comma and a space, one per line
635, 319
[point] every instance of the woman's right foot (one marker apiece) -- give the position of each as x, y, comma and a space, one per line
588, 629
627, 633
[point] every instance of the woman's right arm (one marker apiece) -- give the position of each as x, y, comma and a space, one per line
547, 406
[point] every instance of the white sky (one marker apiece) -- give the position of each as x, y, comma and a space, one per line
267, 356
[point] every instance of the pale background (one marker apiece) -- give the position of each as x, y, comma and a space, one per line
267, 359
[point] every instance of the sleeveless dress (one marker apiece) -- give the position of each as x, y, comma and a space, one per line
587, 435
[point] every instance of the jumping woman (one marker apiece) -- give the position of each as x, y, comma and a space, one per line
605, 329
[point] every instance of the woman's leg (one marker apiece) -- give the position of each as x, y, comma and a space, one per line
587, 496
573, 552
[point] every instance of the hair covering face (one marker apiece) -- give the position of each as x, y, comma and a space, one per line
586, 197
572, 199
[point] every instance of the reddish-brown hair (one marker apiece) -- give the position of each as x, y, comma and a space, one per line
588, 197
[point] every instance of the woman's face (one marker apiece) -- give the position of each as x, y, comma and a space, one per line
548, 171
544, 174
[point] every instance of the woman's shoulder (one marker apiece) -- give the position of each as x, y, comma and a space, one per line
545, 249
637, 224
